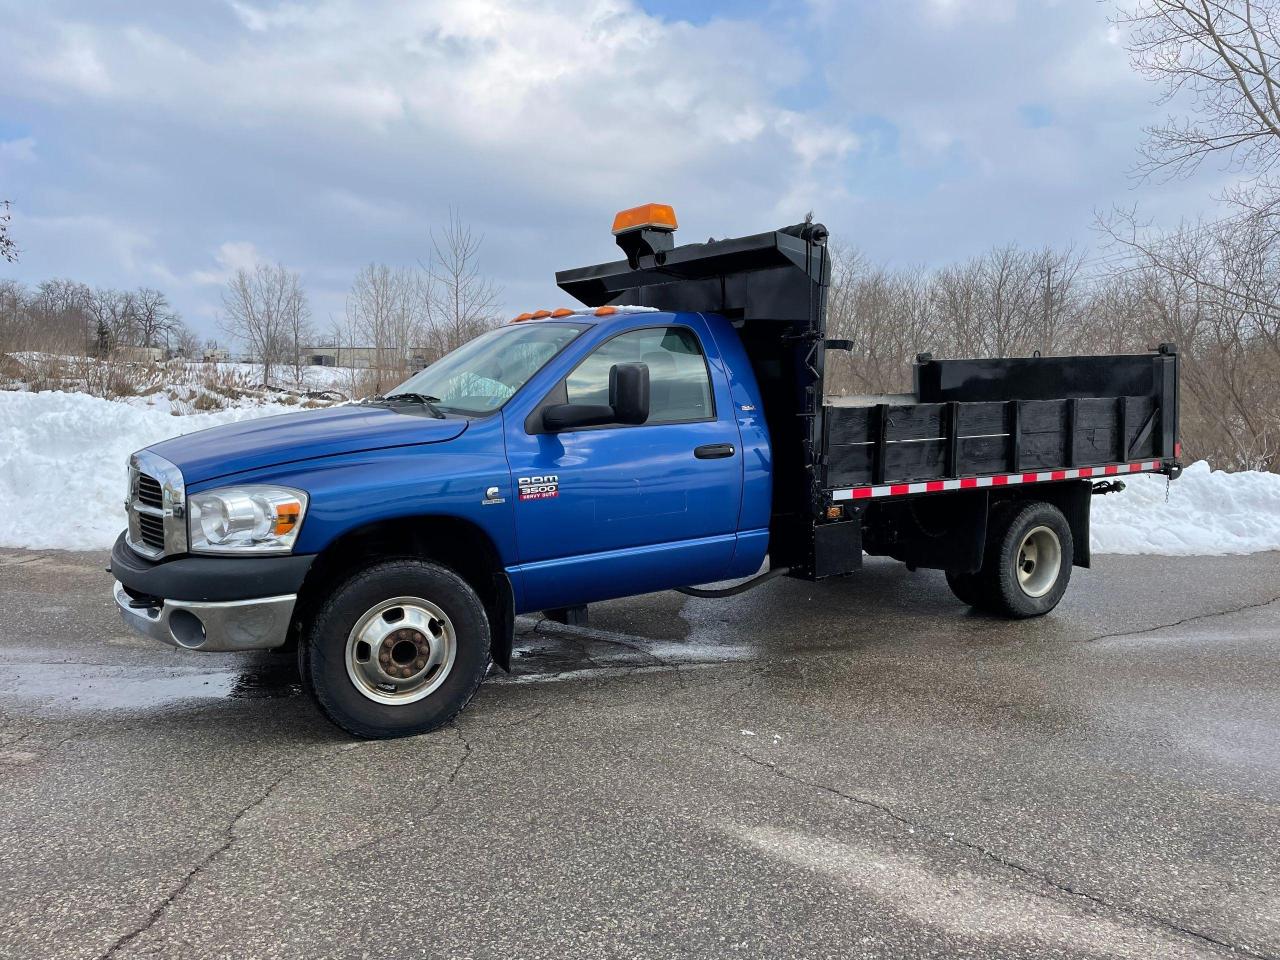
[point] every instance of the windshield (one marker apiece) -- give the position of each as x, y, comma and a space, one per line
482, 375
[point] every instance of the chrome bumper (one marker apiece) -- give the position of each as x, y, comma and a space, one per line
195, 625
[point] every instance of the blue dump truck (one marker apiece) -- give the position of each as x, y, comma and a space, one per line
675, 432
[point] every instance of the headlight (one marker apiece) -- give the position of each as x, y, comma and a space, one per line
248, 519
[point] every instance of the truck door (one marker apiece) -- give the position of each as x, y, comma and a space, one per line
615, 510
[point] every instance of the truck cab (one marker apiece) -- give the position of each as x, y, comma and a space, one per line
671, 432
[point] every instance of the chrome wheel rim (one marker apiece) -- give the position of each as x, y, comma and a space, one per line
1039, 559
401, 650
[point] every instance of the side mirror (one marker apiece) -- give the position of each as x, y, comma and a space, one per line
629, 392
628, 402
570, 416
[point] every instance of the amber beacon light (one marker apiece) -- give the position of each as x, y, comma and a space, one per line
656, 216
645, 231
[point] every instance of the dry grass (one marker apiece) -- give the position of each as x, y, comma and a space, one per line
188, 387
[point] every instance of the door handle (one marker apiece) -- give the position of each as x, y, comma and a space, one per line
713, 451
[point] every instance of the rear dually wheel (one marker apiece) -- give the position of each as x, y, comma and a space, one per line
1027, 563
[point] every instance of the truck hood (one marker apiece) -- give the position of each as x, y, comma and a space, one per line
306, 435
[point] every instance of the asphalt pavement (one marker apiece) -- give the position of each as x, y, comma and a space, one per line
861, 768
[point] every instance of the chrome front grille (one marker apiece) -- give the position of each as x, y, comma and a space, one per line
149, 491
156, 507
151, 529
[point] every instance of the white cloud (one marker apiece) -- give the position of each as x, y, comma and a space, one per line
70, 62
230, 257
14, 152
560, 80
125, 247
968, 11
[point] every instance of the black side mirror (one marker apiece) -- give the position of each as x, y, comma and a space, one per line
629, 392
628, 402
570, 416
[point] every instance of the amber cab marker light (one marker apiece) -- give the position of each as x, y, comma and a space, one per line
539, 314
562, 312
606, 311
657, 216
523, 317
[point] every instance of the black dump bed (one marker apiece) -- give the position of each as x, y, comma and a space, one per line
974, 418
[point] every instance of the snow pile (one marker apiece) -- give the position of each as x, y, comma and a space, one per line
63, 470
1208, 512
63, 463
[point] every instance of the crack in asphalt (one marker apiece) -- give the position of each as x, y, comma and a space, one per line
437, 801
1178, 623
230, 838
8, 561
995, 857
453, 775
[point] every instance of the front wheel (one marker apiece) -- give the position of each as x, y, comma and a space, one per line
1027, 564
397, 649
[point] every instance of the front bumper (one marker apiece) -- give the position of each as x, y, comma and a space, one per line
209, 603
210, 626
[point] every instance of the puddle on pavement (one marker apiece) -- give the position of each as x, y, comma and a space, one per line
72, 687
555, 651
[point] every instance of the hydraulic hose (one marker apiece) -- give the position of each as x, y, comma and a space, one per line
734, 590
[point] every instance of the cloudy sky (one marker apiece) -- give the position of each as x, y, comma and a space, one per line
167, 143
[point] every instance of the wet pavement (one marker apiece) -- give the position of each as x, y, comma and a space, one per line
856, 769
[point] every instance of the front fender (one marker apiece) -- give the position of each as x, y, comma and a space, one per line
353, 491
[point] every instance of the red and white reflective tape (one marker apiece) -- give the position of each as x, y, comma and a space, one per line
999, 480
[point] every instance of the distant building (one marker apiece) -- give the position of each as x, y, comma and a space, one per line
359, 358
140, 354
215, 355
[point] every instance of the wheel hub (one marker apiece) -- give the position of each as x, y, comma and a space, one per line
1039, 560
404, 653
401, 650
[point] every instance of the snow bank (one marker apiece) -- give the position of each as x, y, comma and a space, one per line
63, 463
63, 455
1208, 512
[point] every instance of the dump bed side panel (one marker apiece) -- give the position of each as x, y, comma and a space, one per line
1009, 426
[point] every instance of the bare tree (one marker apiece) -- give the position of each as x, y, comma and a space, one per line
152, 319
188, 342
14, 315
61, 311
8, 246
297, 325
262, 308
112, 320
1214, 285
1223, 56
462, 302
387, 308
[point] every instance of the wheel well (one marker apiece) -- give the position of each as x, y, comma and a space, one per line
458, 544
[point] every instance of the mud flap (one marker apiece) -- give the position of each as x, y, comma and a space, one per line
502, 621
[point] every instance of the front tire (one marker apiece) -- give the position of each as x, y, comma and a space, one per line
397, 649
1027, 564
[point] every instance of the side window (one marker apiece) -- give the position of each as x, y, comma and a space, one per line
679, 388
